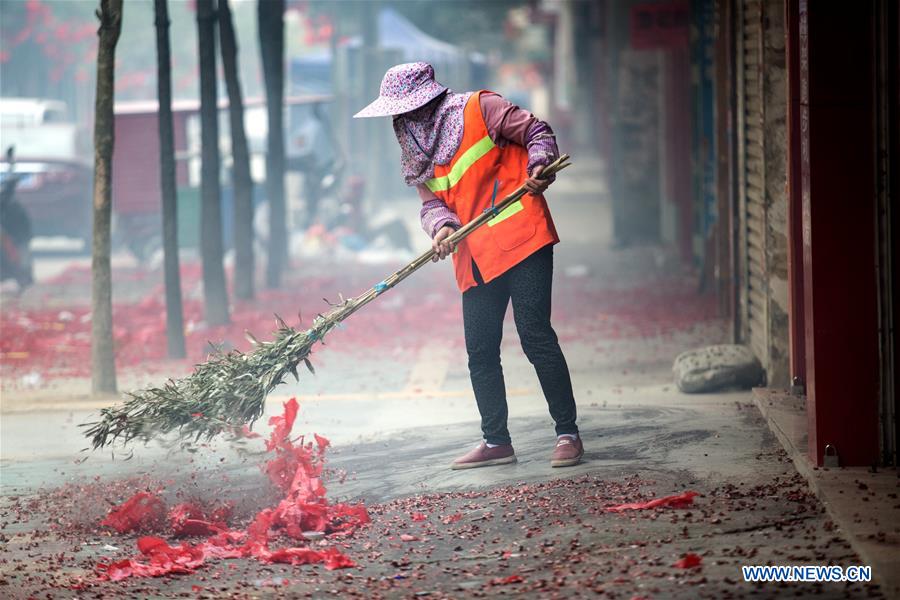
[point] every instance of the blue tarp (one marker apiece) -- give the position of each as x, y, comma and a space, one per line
396, 32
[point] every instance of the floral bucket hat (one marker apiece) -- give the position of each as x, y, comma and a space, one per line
404, 88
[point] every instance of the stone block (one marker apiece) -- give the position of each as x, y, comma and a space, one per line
714, 368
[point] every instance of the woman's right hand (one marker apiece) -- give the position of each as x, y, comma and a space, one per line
442, 248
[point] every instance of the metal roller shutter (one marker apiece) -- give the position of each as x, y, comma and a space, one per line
753, 195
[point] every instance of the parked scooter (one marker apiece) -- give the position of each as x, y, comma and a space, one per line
352, 222
333, 197
15, 230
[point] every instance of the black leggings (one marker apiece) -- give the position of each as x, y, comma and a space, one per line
529, 285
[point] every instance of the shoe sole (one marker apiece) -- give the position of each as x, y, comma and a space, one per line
485, 463
568, 462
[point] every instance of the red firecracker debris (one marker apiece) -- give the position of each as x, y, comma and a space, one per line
417, 516
245, 432
679, 501
52, 339
188, 519
688, 561
222, 513
143, 511
507, 580
322, 442
336, 560
296, 469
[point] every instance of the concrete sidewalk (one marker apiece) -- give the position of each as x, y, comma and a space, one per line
863, 502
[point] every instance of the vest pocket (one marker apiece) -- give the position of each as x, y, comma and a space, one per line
513, 231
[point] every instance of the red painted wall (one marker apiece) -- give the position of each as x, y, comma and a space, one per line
837, 155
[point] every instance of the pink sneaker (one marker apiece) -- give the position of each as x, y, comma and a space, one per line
482, 456
568, 452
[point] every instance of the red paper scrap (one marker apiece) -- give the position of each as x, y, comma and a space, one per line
188, 519
507, 580
688, 561
417, 516
160, 559
222, 513
678, 501
282, 424
406, 537
296, 469
334, 559
246, 432
142, 511
322, 442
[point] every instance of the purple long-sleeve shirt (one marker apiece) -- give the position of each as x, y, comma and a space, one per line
506, 124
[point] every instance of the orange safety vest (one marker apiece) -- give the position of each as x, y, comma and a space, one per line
479, 174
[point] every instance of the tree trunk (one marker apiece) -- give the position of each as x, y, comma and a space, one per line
174, 316
103, 369
270, 17
243, 184
214, 291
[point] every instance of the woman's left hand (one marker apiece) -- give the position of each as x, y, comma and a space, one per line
534, 185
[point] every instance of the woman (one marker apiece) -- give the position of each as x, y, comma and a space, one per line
462, 152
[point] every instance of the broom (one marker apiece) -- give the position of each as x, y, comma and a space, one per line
229, 390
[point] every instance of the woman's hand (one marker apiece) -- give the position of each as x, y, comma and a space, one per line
440, 245
534, 185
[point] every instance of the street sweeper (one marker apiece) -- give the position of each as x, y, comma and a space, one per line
462, 152
509, 257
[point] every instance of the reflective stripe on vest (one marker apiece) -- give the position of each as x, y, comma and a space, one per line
469, 158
